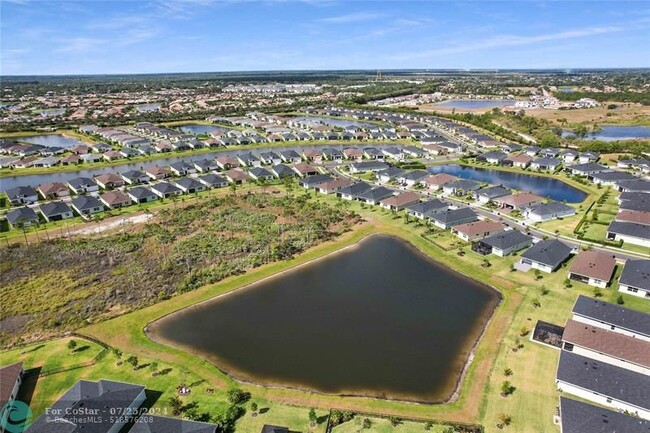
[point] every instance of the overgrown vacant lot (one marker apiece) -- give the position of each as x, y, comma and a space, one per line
61, 284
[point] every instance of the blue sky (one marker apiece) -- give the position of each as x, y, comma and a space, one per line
95, 37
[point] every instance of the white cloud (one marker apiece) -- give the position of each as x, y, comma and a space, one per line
352, 18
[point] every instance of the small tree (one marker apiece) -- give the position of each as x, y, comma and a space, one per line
312, 417
507, 388
153, 367
237, 396
428, 426
72, 345
394, 421
133, 360
505, 419
367, 423
254, 407
176, 404
507, 371
620, 300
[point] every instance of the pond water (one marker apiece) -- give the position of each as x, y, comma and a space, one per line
378, 319
200, 129
615, 133
548, 187
471, 104
50, 140
39, 179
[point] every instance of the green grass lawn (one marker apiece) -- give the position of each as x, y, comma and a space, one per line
52, 354
383, 425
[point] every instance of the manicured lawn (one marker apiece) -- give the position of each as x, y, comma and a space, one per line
52, 354
383, 425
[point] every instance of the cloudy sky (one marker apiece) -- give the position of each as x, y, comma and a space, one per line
139, 36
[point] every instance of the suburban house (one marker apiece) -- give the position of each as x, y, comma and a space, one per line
438, 181
593, 267
104, 398
375, 195
227, 162
589, 156
424, 209
519, 161
352, 153
115, 199
545, 164
205, 165
351, 192
182, 168
548, 211
22, 195
604, 384
453, 217
492, 157
546, 255
149, 423
56, 211
22, 217
518, 201
611, 178
569, 155
579, 417
607, 346
303, 169
281, 170
248, 160
314, 180
503, 243
633, 186
82, 185
260, 174
633, 233
54, 190
11, 377
141, 194
549, 152
166, 190
632, 216
488, 194
461, 187
613, 317
477, 230
635, 278
511, 147
332, 154
389, 174
412, 177
190, 185
393, 152
333, 185
373, 153
87, 205
413, 151
400, 201
270, 158
133, 177
211, 180
109, 180
366, 166
290, 156
312, 155
586, 169
236, 176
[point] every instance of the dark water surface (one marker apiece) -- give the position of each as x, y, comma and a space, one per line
379, 319
548, 187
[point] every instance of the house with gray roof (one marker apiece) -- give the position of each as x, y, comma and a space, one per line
87, 205
91, 407
290, 156
633, 186
141, 194
461, 187
548, 211
260, 173
412, 177
161, 424
611, 177
311, 181
487, 194
56, 211
248, 160
22, 195
546, 255
133, 177
448, 219
628, 232
281, 170
586, 169
352, 192
546, 163
190, 185
270, 158
494, 157
212, 180
373, 153
503, 244
604, 384
635, 278
424, 209
82, 185
366, 166
612, 317
389, 174
22, 217
166, 190
375, 195
205, 165
579, 417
